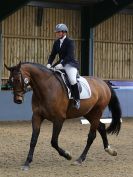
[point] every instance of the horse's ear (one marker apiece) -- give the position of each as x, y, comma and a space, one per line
8, 68
19, 65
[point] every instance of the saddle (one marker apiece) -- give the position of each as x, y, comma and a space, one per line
61, 73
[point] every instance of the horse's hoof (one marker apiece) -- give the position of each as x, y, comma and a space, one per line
111, 151
25, 168
114, 153
68, 155
77, 163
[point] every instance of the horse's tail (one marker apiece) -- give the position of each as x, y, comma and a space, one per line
114, 107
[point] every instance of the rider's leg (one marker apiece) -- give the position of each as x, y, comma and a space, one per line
76, 95
72, 73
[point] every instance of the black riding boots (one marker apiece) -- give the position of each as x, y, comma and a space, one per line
76, 95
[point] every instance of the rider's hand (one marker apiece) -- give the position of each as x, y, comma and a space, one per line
48, 65
59, 66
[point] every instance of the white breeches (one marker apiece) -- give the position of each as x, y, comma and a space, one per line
72, 73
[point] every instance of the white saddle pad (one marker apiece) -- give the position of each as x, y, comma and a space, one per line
86, 91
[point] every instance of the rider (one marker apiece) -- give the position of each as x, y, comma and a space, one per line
64, 47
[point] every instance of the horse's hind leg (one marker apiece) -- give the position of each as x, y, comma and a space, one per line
91, 137
103, 133
94, 118
57, 126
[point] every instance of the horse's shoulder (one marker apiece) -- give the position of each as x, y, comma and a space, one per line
58, 77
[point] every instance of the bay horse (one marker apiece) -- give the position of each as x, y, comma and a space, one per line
50, 101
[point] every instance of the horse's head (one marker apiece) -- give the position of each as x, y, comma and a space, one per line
18, 83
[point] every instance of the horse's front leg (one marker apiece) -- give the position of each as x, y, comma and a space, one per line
57, 126
36, 123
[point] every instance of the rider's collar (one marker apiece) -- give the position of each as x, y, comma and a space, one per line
62, 39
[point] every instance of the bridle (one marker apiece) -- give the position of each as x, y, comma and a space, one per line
23, 81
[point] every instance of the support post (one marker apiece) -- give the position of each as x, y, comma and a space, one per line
91, 54
87, 41
1, 56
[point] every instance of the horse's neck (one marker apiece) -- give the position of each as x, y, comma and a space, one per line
37, 75
38, 79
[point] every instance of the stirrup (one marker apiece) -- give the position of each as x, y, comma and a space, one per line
76, 104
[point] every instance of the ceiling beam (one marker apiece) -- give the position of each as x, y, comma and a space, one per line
105, 9
7, 7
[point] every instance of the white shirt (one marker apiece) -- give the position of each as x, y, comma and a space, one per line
61, 40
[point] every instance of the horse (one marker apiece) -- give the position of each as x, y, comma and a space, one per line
50, 101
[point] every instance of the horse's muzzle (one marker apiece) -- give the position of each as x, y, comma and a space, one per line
18, 99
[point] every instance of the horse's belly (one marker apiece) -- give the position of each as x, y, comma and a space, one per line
85, 107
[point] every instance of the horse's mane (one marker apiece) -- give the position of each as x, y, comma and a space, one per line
44, 68
38, 65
